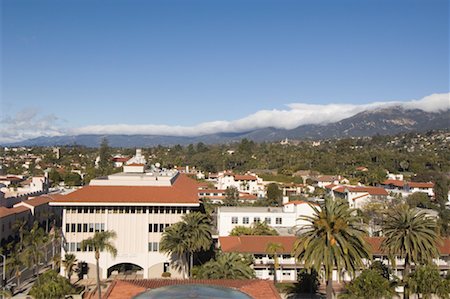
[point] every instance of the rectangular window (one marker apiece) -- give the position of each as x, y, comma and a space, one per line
127, 210
150, 246
161, 210
68, 211
256, 220
245, 220
78, 246
278, 220
85, 210
102, 227
79, 228
234, 220
132, 210
150, 228
155, 246
85, 227
91, 227
97, 227
173, 210
73, 246
67, 227
267, 220
73, 227
161, 227
179, 210
155, 227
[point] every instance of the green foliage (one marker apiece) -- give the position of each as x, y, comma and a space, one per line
226, 266
274, 194
51, 285
69, 263
381, 268
231, 196
191, 235
256, 229
72, 179
419, 200
332, 239
370, 284
105, 164
426, 281
101, 241
54, 177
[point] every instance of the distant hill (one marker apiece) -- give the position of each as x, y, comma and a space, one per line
387, 121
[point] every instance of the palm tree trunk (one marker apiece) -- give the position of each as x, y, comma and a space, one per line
191, 264
405, 277
329, 282
99, 291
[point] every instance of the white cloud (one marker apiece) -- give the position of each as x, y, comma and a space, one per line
28, 125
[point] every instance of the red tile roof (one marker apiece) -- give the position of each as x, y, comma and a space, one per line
421, 185
375, 243
257, 289
361, 189
120, 159
299, 202
255, 244
397, 183
183, 191
4, 212
43, 199
135, 164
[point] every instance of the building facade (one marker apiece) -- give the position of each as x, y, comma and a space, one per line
137, 206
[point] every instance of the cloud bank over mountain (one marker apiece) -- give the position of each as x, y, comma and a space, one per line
28, 124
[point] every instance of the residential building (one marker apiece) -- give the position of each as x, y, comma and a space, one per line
406, 188
249, 183
8, 217
217, 196
357, 196
138, 205
285, 219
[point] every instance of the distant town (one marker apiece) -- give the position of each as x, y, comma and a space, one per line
289, 217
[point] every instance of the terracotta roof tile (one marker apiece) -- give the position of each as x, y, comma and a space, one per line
257, 289
421, 184
183, 191
4, 212
375, 243
244, 177
43, 199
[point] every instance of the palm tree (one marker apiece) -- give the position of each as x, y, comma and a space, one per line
227, 266
100, 242
34, 240
187, 237
69, 263
198, 234
174, 242
56, 262
412, 235
333, 238
274, 249
20, 226
15, 265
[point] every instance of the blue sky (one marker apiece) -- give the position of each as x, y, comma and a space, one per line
72, 64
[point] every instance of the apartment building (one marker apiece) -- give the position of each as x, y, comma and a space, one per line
137, 205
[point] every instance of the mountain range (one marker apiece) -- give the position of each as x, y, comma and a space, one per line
382, 121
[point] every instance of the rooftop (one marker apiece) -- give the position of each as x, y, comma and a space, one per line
252, 209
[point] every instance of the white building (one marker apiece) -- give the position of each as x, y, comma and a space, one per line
357, 196
137, 206
284, 218
249, 183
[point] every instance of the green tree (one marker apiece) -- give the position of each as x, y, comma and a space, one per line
20, 225
69, 263
419, 200
226, 266
256, 229
274, 194
15, 265
105, 164
231, 196
54, 177
34, 241
370, 284
101, 241
273, 249
72, 179
332, 239
412, 235
191, 235
52, 286
426, 281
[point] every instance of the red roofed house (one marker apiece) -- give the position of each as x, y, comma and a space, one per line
218, 195
249, 183
8, 216
137, 205
40, 209
406, 188
357, 196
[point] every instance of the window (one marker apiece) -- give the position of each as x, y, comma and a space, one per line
161, 227
72, 246
173, 210
234, 220
161, 210
278, 220
150, 228
67, 227
245, 220
102, 227
132, 210
91, 227
153, 246
80, 210
155, 227
78, 246
85, 227
79, 228
256, 220
72, 227
267, 220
